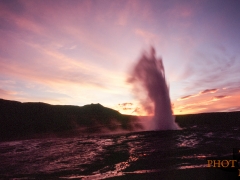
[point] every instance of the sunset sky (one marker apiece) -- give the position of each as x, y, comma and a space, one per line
81, 51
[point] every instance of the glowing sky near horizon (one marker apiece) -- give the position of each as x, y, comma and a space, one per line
81, 52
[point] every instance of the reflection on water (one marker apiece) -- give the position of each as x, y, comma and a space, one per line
99, 157
192, 166
188, 140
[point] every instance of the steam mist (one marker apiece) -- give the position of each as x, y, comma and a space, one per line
148, 74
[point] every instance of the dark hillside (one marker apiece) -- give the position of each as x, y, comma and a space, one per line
219, 120
24, 119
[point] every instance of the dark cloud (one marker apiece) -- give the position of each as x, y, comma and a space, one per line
216, 98
209, 91
219, 97
186, 97
126, 104
200, 93
127, 108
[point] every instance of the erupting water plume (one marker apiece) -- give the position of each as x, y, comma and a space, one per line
149, 74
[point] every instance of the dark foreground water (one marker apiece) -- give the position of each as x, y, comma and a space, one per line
177, 154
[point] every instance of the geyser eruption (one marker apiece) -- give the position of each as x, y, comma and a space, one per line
149, 74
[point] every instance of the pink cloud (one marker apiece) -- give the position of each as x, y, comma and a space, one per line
207, 104
7, 94
147, 36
